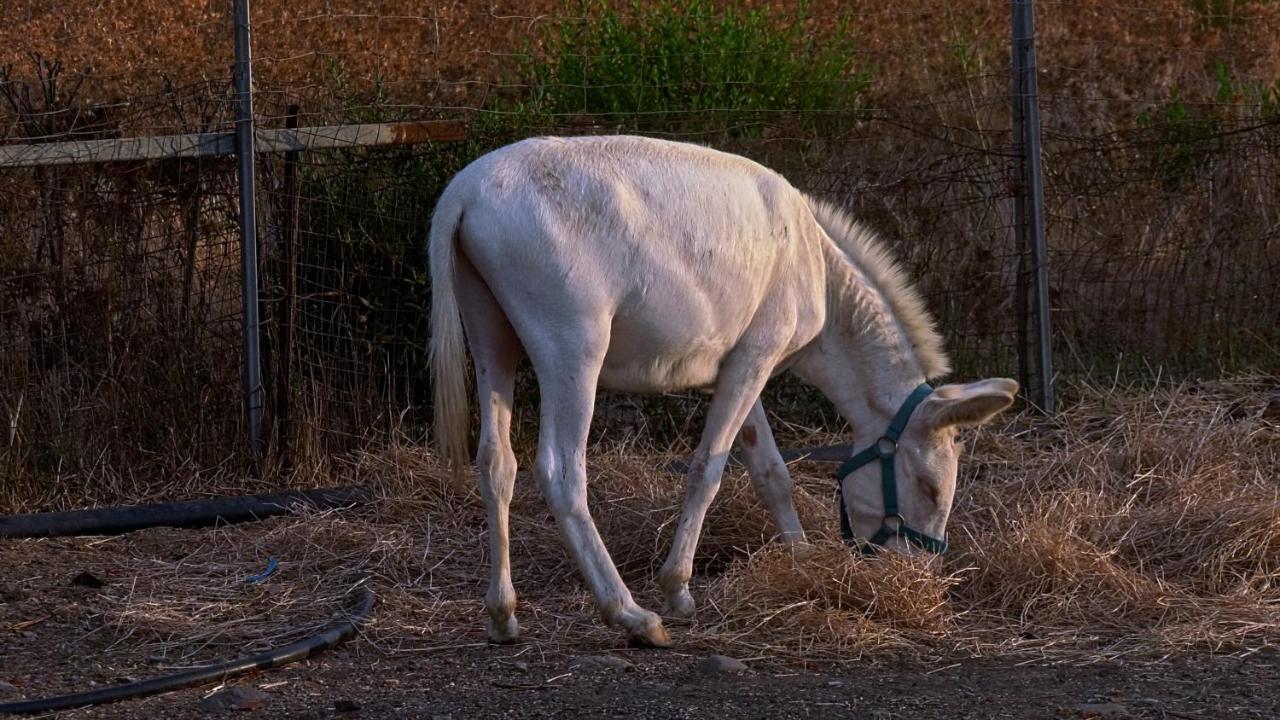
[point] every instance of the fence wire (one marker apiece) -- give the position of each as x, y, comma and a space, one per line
1161, 153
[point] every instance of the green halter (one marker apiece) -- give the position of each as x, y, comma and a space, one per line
884, 450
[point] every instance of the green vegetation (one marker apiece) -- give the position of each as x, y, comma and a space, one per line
1187, 135
691, 68
1221, 14
363, 280
363, 284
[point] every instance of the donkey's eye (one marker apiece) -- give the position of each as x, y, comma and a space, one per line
931, 490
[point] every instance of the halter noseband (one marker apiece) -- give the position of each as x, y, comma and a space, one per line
884, 450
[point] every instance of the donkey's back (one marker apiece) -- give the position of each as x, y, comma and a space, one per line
667, 253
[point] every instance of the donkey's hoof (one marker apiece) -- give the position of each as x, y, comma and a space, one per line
503, 632
644, 628
679, 605
653, 636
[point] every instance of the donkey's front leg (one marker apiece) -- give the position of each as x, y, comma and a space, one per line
567, 402
736, 389
769, 475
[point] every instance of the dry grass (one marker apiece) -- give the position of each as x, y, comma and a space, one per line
1137, 523
420, 53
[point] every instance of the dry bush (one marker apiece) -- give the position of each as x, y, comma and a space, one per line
1100, 51
119, 312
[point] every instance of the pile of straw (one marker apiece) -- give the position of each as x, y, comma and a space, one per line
1134, 523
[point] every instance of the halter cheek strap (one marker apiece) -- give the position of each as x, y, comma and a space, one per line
884, 450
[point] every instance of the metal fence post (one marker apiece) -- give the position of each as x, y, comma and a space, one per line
1022, 286
253, 390
1029, 209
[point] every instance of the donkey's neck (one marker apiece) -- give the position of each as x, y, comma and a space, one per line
863, 360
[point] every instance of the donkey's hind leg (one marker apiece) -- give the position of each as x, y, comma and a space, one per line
496, 351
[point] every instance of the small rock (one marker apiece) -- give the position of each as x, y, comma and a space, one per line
344, 706
1237, 410
520, 665
89, 580
9, 690
27, 635
1271, 411
236, 698
719, 664
1103, 710
601, 662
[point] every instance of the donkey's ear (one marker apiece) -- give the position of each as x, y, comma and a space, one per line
969, 405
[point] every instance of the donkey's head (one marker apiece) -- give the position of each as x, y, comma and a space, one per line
897, 491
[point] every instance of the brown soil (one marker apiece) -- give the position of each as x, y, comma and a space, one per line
476, 680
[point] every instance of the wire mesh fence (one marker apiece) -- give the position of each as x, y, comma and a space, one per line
1161, 187
1161, 152
120, 319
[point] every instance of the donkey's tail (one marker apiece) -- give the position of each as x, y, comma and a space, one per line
447, 347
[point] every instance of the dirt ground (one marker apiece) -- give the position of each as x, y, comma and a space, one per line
492, 681
483, 682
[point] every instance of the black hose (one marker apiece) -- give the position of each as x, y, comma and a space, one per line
330, 636
193, 513
190, 513
817, 453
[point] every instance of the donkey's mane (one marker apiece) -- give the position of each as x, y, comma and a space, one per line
865, 251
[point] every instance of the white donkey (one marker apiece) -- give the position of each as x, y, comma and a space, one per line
648, 266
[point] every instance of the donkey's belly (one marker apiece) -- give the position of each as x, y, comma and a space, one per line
648, 357
660, 373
